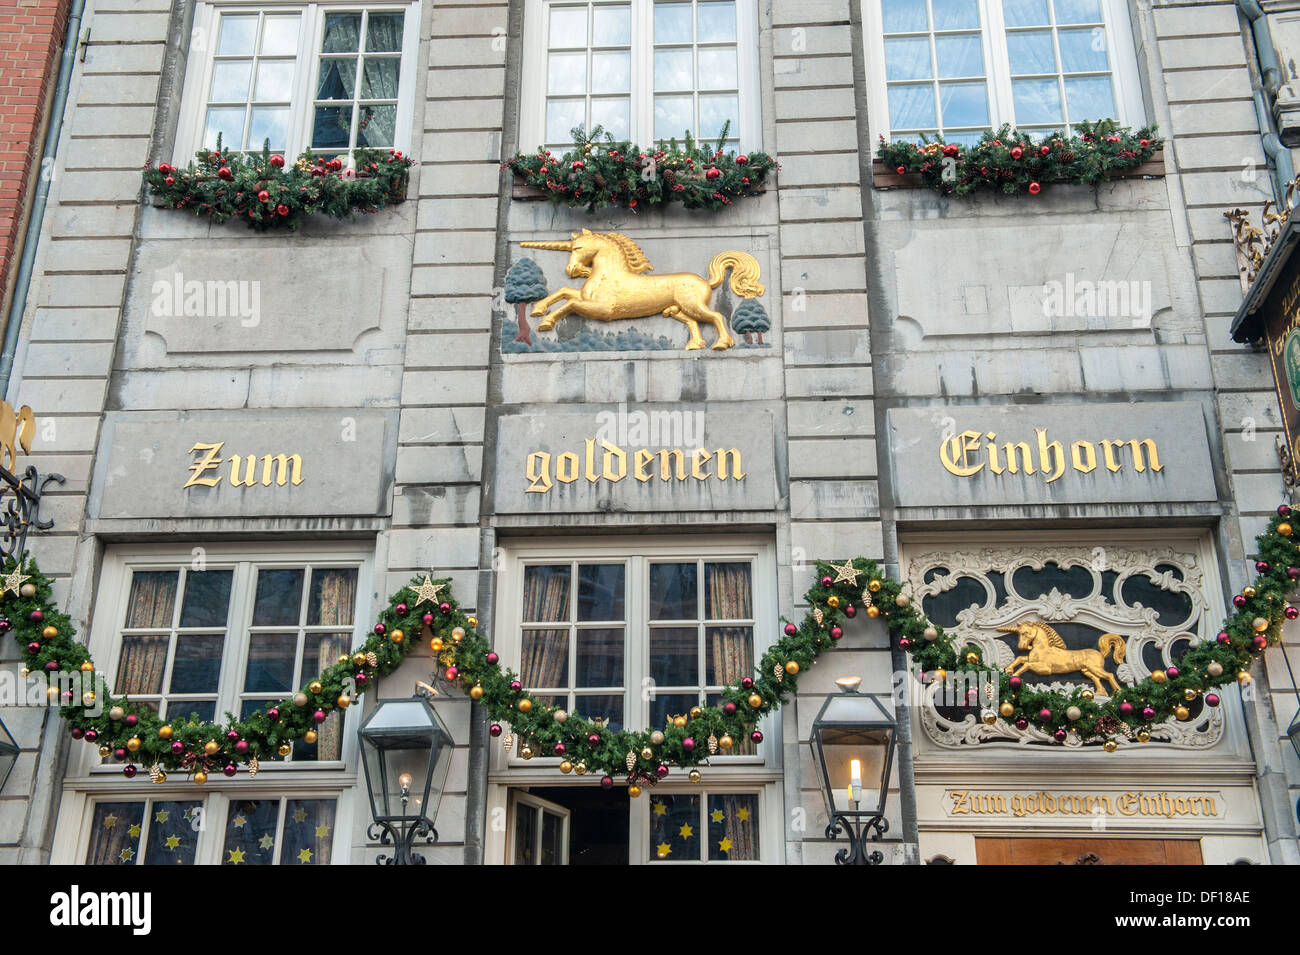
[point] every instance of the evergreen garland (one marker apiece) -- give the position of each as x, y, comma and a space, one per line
598, 173
1008, 161
135, 732
272, 194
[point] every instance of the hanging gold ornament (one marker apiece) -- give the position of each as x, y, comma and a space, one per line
1110, 746
630, 760
647, 754
1249, 592
525, 752
559, 716
343, 702
696, 712
657, 738
580, 769
566, 767
253, 767
133, 744
873, 611
695, 775
284, 749
1260, 624
436, 644
476, 692
1007, 709
1143, 736
525, 705
972, 658
88, 667
1189, 695
792, 668
457, 634
154, 772
315, 686
200, 778
1182, 712
1087, 694
726, 742
343, 658
712, 744
634, 790
755, 701
874, 586
1215, 668
397, 636
211, 747
358, 659
473, 622
1243, 677
940, 674
989, 717
1158, 676
309, 737
105, 752
679, 722
833, 602
165, 732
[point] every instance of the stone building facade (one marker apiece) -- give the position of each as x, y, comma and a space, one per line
429, 426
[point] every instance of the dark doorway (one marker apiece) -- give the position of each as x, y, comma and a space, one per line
598, 822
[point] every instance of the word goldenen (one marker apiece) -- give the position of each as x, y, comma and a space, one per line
613, 464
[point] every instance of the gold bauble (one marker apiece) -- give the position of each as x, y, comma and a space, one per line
755, 700
525, 705
647, 753
436, 644
657, 738
1110, 746
873, 611
902, 600
634, 791
200, 778
133, 744
160, 778
27, 590
309, 736
88, 667
1072, 713
696, 712
695, 775
105, 752
315, 686
87, 698
24, 672
1143, 736
679, 722
116, 713
358, 659
52, 693
726, 742
343, 658
792, 668
476, 692
300, 699
1189, 695
49, 633
285, 749
566, 767
1007, 709
473, 622
580, 769
1215, 668
1087, 694
1260, 624
344, 701
931, 633
874, 586
940, 674
457, 634
990, 718
165, 732
397, 636
1243, 677
211, 747
972, 658
1158, 676
559, 716
1182, 712
525, 752
1248, 592
832, 601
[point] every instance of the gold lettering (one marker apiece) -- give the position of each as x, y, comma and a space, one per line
538, 472
1080, 452
617, 455
1026, 457
1017, 806
724, 455
991, 447
1180, 804
592, 476
1108, 448
1051, 457
566, 467
250, 472
1207, 803
664, 457
1139, 464
959, 803
699, 457
1128, 804
282, 462
639, 461
210, 462
952, 454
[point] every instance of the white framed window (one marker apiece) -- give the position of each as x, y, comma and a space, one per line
960, 67
329, 76
644, 70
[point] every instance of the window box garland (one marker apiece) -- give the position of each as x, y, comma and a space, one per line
597, 173
1014, 163
271, 193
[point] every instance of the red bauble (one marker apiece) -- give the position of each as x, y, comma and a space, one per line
282, 209
1284, 510
1035, 188
380, 628
1211, 699
606, 782
712, 173
1014, 682
92, 735
452, 673
742, 159
225, 173
1016, 152
129, 771
593, 740
1022, 723
263, 196
747, 682
578, 164
492, 659
36, 616
836, 633
494, 730
1223, 637
729, 708
77, 732
33, 647
901, 170
791, 630
1044, 150
1239, 600
756, 736
131, 719
164, 168
119, 754
277, 161
904, 643
241, 747
850, 611
273, 714
1259, 642
170, 181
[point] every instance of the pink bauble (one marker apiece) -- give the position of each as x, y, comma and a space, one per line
232, 735
380, 628
836, 633
494, 730
319, 716
492, 659
688, 744
1172, 673
444, 607
428, 618
756, 736
516, 686
593, 740
729, 708
1239, 600
273, 714
92, 735
850, 611
119, 754
1291, 612
791, 630
452, 673
1044, 714
1211, 699
131, 719
1261, 566
827, 581
661, 771
129, 771
241, 747
747, 682
230, 769
1260, 642
1059, 736
904, 643
1223, 636
1126, 708
606, 783
1014, 682
560, 749
178, 747
400, 608
1148, 713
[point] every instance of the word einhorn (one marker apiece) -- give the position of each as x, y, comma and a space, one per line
969, 452
283, 468
613, 464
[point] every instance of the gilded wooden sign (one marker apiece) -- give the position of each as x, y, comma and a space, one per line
613, 464
1166, 805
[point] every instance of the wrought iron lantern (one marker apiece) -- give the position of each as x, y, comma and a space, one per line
406, 751
8, 754
853, 742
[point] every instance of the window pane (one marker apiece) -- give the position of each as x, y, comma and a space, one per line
545, 660
964, 104
903, 16
321, 650
715, 112
673, 23
956, 14
333, 597
1083, 51
207, 598
727, 589
332, 127
237, 34
377, 126
959, 55
911, 107
718, 69
600, 591
733, 827
562, 116
279, 597
567, 73
153, 596
174, 829
329, 741
729, 654
673, 592
611, 72
230, 80
270, 124
226, 122
143, 660
342, 33
280, 35
1078, 11
1030, 51
664, 705
250, 832
605, 707
271, 657
525, 833
308, 832
1089, 97
115, 833
546, 593
674, 828
552, 839
674, 70
197, 666
717, 22
1037, 101
384, 33
200, 711
611, 25
568, 27
614, 115
600, 658
673, 116
337, 79
907, 58
1025, 13
274, 81
674, 656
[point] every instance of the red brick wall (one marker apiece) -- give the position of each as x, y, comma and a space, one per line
31, 39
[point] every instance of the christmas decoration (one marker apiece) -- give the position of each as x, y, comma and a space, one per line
1008, 161
250, 186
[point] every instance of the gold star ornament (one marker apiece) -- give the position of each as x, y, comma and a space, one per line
846, 573
12, 581
236, 857
427, 591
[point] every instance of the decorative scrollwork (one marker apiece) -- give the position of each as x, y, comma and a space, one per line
402, 837
859, 831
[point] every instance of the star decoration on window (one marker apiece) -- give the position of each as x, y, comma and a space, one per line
846, 573
742, 815
300, 815
304, 856
12, 581
427, 591
236, 857
716, 815
134, 831
110, 821
162, 815
322, 832
686, 831
725, 845
126, 855
266, 842
239, 822
660, 809
173, 842
664, 850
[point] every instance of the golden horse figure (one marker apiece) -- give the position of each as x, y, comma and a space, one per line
1048, 654
615, 288
15, 427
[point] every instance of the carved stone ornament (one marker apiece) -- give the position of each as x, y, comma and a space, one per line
1105, 608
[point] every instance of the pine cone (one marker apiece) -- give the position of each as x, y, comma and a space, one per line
670, 177
599, 180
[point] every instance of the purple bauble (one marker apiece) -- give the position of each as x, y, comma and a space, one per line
232, 735
241, 747
444, 608
1022, 723
273, 714
1291, 612
178, 747
1291, 572
119, 754
606, 782
131, 719
361, 679
756, 736
1014, 682
92, 735
1126, 708
1260, 642
1261, 566
492, 659
791, 630
1223, 636
904, 643
129, 771
1148, 713
380, 629
1239, 600
52, 665
494, 730
319, 716
827, 581
1044, 714
1211, 699
230, 769
1172, 673
427, 618
850, 611
77, 732
33, 647
36, 615
1283, 510
661, 771
401, 609
688, 744
5, 625
1059, 736
729, 708
836, 633
516, 686
747, 682
560, 749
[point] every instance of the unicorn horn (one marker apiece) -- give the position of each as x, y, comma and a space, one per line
1014, 628
552, 246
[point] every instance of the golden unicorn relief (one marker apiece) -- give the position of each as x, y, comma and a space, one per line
15, 428
1048, 654
615, 288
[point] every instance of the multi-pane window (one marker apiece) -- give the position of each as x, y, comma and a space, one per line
709, 827
644, 70
145, 832
279, 831
324, 76
959, 67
